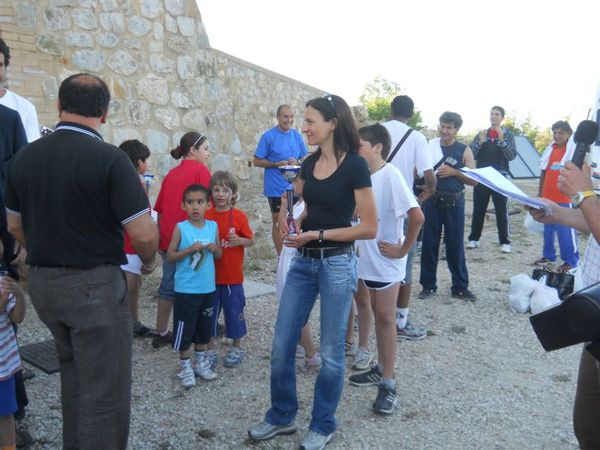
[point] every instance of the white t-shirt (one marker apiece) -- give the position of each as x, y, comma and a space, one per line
27, 112
393, 199
413, 152
287, 253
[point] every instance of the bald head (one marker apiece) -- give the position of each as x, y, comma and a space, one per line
85, 95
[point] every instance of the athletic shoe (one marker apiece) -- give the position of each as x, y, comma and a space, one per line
367, 378
213, 358
315, 441
265, 430
314, 362
158, 340
350, 348
564, 267
426, 293
300, 352
386, 399
140, 330
465, 295
202, 367
473, 244
186, 376
505, 248
362, 359
543, 261
410, 332
234, 357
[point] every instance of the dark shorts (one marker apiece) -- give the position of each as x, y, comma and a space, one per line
166, 290
192, 317
275, 203
377, 285
230, 299
8, 397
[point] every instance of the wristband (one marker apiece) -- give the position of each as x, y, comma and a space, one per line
321, 236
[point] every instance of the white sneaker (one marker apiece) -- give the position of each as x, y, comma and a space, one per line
186, 376
362, 359
350, 348
202, 367
473, 244
314, 362
505, 248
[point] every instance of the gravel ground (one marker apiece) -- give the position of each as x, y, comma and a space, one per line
480, 380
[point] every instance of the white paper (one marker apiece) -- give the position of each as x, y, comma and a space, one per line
490, 177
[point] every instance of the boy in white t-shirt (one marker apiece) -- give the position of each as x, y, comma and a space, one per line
382, 261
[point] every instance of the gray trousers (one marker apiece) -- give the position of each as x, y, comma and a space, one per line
88, 316
586, 412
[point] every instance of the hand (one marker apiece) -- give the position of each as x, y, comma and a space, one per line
234, 240
500, 134
445, 171
282, 163
293, 162
572, 179
546, 215
300, 239
195, 247
390, 250
7, 286
212, 248
482, 136
425, 194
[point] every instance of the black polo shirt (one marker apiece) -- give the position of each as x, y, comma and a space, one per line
74, 193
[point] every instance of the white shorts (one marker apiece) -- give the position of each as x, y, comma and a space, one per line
134, 264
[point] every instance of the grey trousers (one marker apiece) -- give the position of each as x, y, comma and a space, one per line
586, 412
88, 316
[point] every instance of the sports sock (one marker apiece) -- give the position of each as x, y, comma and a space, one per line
389, 382
401, 317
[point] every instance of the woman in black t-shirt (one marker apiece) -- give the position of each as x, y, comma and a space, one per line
336, 181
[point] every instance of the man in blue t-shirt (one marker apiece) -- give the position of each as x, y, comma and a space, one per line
279, 146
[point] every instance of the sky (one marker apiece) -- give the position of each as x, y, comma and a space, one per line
536, 59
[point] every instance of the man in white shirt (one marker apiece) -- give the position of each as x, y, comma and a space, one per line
412, 155
13, 101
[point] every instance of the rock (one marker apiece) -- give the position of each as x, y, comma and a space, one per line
186, 25
122, 63
153, 89
84, 18
139, 26
160, 64
168, 117
78, 39
108, 40
138, 111
151, 8
92, 60
50, 45
57, 19
25, 15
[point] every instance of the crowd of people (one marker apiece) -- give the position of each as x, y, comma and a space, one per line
80, 209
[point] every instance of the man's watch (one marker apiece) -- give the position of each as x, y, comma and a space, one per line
579, 197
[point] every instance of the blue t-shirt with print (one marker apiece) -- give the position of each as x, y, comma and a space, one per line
195, 274
276, 145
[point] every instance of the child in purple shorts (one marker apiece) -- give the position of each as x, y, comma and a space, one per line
12, 310
236, 235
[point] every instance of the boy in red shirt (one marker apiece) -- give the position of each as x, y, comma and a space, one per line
551, 161
236, 234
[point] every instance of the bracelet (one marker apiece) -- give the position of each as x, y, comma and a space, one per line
321, 236
151, 268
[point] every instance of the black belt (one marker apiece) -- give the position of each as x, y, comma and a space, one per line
325, 252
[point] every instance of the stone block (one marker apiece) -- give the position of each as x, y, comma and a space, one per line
139, 26
236, 146
156, 46
194, 120
78, 39
113, 21
121, 134
157, 140
49, 44
160, 64
185, 66
57, 19
159, 31
108, 40
168, 117
153, 89
92, 60
177, 44
92, 4
180, 98
25, 15
220, 161
186, 25
86, 19
175, 7
133, 43
109, 5
138, 111
122, 63
151, 9
59, 3
170, 24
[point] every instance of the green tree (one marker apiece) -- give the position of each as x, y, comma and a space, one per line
377, 96
539, 138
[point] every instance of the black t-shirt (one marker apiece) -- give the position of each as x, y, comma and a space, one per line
330, 202
74, 193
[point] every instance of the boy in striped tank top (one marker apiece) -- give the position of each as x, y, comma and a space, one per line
194, 246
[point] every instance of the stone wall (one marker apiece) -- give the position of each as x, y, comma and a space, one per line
164, 78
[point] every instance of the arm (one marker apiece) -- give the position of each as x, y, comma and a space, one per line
477, 141
430, 184
445, 171
144, 237
15, 227
174, 255
258, 162
9, 286
216, 249
541, 183
366, 229
415, 221
506, 142
573, 180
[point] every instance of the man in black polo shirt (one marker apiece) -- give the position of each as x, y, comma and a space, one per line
68, 197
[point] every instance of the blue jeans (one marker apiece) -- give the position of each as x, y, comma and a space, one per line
334, 279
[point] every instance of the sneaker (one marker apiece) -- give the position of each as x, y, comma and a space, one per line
234, 357
386, 399
473, 244
314, 362
543, 261
186, 376
465, 295
213, 358
265, 430
140, 330
202, 367
350, 348
410, 332
315, 441
159, 340
368, 378
426, 293
505, 248
362, 359
564, 267
300, 352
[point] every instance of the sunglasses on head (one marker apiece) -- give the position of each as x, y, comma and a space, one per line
330, 100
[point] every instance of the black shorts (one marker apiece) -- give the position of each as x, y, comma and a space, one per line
192, 316
275, 203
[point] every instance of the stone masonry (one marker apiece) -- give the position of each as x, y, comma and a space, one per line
164, 77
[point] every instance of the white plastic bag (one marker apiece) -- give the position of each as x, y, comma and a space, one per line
532, 226
519, 294
543, 297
